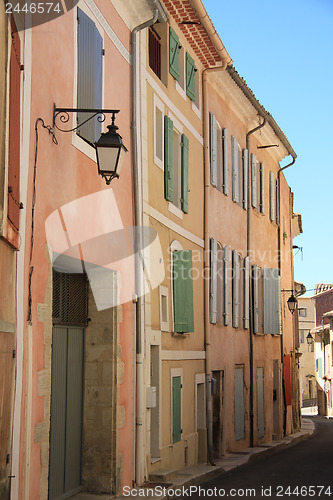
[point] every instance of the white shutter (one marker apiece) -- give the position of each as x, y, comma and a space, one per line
246, 178
213, 281
246, 292
225, 161
226, 284
272, 301
235, 173
255, 289
213, 150
254, 194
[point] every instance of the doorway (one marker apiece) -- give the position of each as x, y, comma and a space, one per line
218, 414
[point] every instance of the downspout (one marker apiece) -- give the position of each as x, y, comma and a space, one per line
248, 253
137, 195
292, 287
208, 375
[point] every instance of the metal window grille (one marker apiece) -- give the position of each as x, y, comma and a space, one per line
155, 52
70, 299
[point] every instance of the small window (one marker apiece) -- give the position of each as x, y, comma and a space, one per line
302, 312
164, 309
155, 52
301, 336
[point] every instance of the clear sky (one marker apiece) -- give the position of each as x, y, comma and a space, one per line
284, 51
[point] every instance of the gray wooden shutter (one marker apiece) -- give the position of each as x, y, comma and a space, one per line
235, 289
271, 301
225, 161
261, 402
190, 77
168, 158
239, 416
176, 409
213, 150
183, 291
272, 196
278, 201
254, 182
213, 281
235, 172
173, 54
262, 188
246, 178
226, 284
255, 291
185, 173
246, 292
90, 74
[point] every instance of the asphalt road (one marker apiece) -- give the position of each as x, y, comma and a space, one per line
303, 470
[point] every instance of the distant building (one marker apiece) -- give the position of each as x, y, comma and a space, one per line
306, 322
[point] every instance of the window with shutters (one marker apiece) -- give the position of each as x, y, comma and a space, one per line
176, 166
191, 71
272, 301
262, 188
226, 285
237, 169
235, 289
174, 52
246, 274
257, 184
218, 155
89, 75
164, 308
182, 286
216, 282
255, 276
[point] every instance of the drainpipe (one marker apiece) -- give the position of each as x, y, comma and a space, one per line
206, 261
137, 195
292, 287
249, 201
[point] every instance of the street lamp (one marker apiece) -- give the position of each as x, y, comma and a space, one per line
309, 339
292, 303
110, 150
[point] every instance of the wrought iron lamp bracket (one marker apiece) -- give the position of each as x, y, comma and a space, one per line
62, 115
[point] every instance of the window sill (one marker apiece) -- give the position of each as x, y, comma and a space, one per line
181, 91
175, 211
84, 147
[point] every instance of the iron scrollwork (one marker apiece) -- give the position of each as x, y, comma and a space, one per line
63, 115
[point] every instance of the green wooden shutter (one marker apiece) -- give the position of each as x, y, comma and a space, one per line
190, 77
225, 161
185, 173
89, 78
183, 291
173, 54
168, 158
176, 409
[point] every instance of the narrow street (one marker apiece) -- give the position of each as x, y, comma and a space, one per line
302, 470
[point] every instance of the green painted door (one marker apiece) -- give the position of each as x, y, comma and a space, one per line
176, 409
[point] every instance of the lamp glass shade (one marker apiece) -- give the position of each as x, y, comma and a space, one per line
309, 339
292, 303
110, 152
107, 160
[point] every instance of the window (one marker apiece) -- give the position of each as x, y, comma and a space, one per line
238, 174
272, 197
254, 181
216, 282
235, 288
174, 51
257, 184
218, 155
302, 312
301, 336
226, 282
246, 271
154, 44
262, 188
158, 132
164, 309
182, 291
272, 301
255, 290
245, 160
90, 75
176, 166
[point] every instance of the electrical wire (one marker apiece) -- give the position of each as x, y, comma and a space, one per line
31, 270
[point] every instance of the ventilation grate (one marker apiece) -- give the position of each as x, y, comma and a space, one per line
70, 299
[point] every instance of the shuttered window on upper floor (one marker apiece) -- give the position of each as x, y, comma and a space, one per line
236, 302
190, 77
215, 282
182, 277
89, 76
174, 51
272, 197
218, 146
272, 300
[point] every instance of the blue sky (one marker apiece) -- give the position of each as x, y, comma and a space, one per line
284, 51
